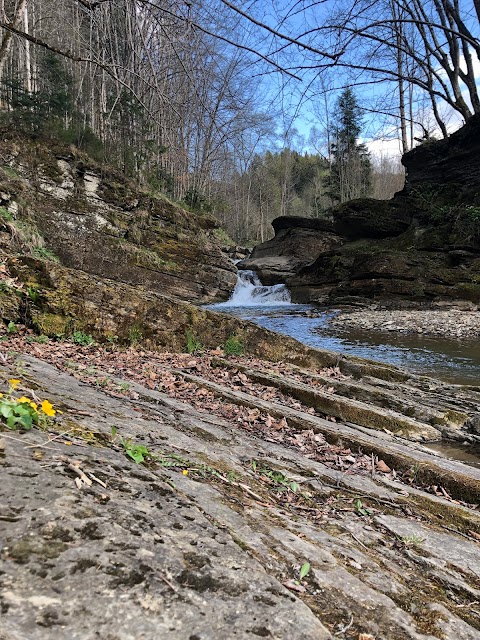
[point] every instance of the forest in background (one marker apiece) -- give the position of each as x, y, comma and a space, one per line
197, 99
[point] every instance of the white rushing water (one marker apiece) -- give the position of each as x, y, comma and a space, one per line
250, 292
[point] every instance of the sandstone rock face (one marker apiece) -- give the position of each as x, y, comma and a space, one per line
96, 220
422, 246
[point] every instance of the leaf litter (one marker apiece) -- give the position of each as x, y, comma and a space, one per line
94, 364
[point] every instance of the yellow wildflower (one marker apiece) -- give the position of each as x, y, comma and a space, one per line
48, 409
26, 400
185, 472
14, 383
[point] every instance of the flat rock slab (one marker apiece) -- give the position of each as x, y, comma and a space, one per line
207, 547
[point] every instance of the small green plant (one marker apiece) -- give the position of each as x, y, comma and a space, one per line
304, 571
6, 215
412, 540
46, 254
83, 339
281, 483
12, 327
134, 335
124, 386
41, 339
33, 294
193, 345
413, 473
6, 287
233, 347
10, 171
22, 413
361, 509
137, 452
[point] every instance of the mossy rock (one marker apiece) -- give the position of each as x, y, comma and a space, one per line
10, 304
51, 324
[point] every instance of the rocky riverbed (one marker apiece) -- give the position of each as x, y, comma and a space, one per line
451, 323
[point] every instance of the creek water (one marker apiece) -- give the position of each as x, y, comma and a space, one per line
270, 307
450, 360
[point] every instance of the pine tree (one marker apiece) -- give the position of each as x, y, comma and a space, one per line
351, 171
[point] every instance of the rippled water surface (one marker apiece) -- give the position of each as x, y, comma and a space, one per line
449, 360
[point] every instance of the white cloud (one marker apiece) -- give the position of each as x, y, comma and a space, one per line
384, 147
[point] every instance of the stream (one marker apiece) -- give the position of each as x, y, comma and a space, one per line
450, 360
270, 307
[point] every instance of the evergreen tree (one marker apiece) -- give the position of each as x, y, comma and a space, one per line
351, 170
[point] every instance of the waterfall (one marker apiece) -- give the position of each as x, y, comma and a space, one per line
250, 292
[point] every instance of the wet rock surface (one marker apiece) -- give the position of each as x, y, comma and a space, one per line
207, 537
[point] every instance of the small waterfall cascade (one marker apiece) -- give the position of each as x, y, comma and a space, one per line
250, 292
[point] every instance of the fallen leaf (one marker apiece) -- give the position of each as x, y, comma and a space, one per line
252, 415
383, 467
294, 586
281, 425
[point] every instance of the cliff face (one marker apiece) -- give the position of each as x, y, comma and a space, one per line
451, 166
96, 220
423, 246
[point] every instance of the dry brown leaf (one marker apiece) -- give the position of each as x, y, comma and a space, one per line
366, 636
294, 586
269, 421
382, 467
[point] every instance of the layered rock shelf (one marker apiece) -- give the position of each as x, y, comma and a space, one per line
207, 536
96, 220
